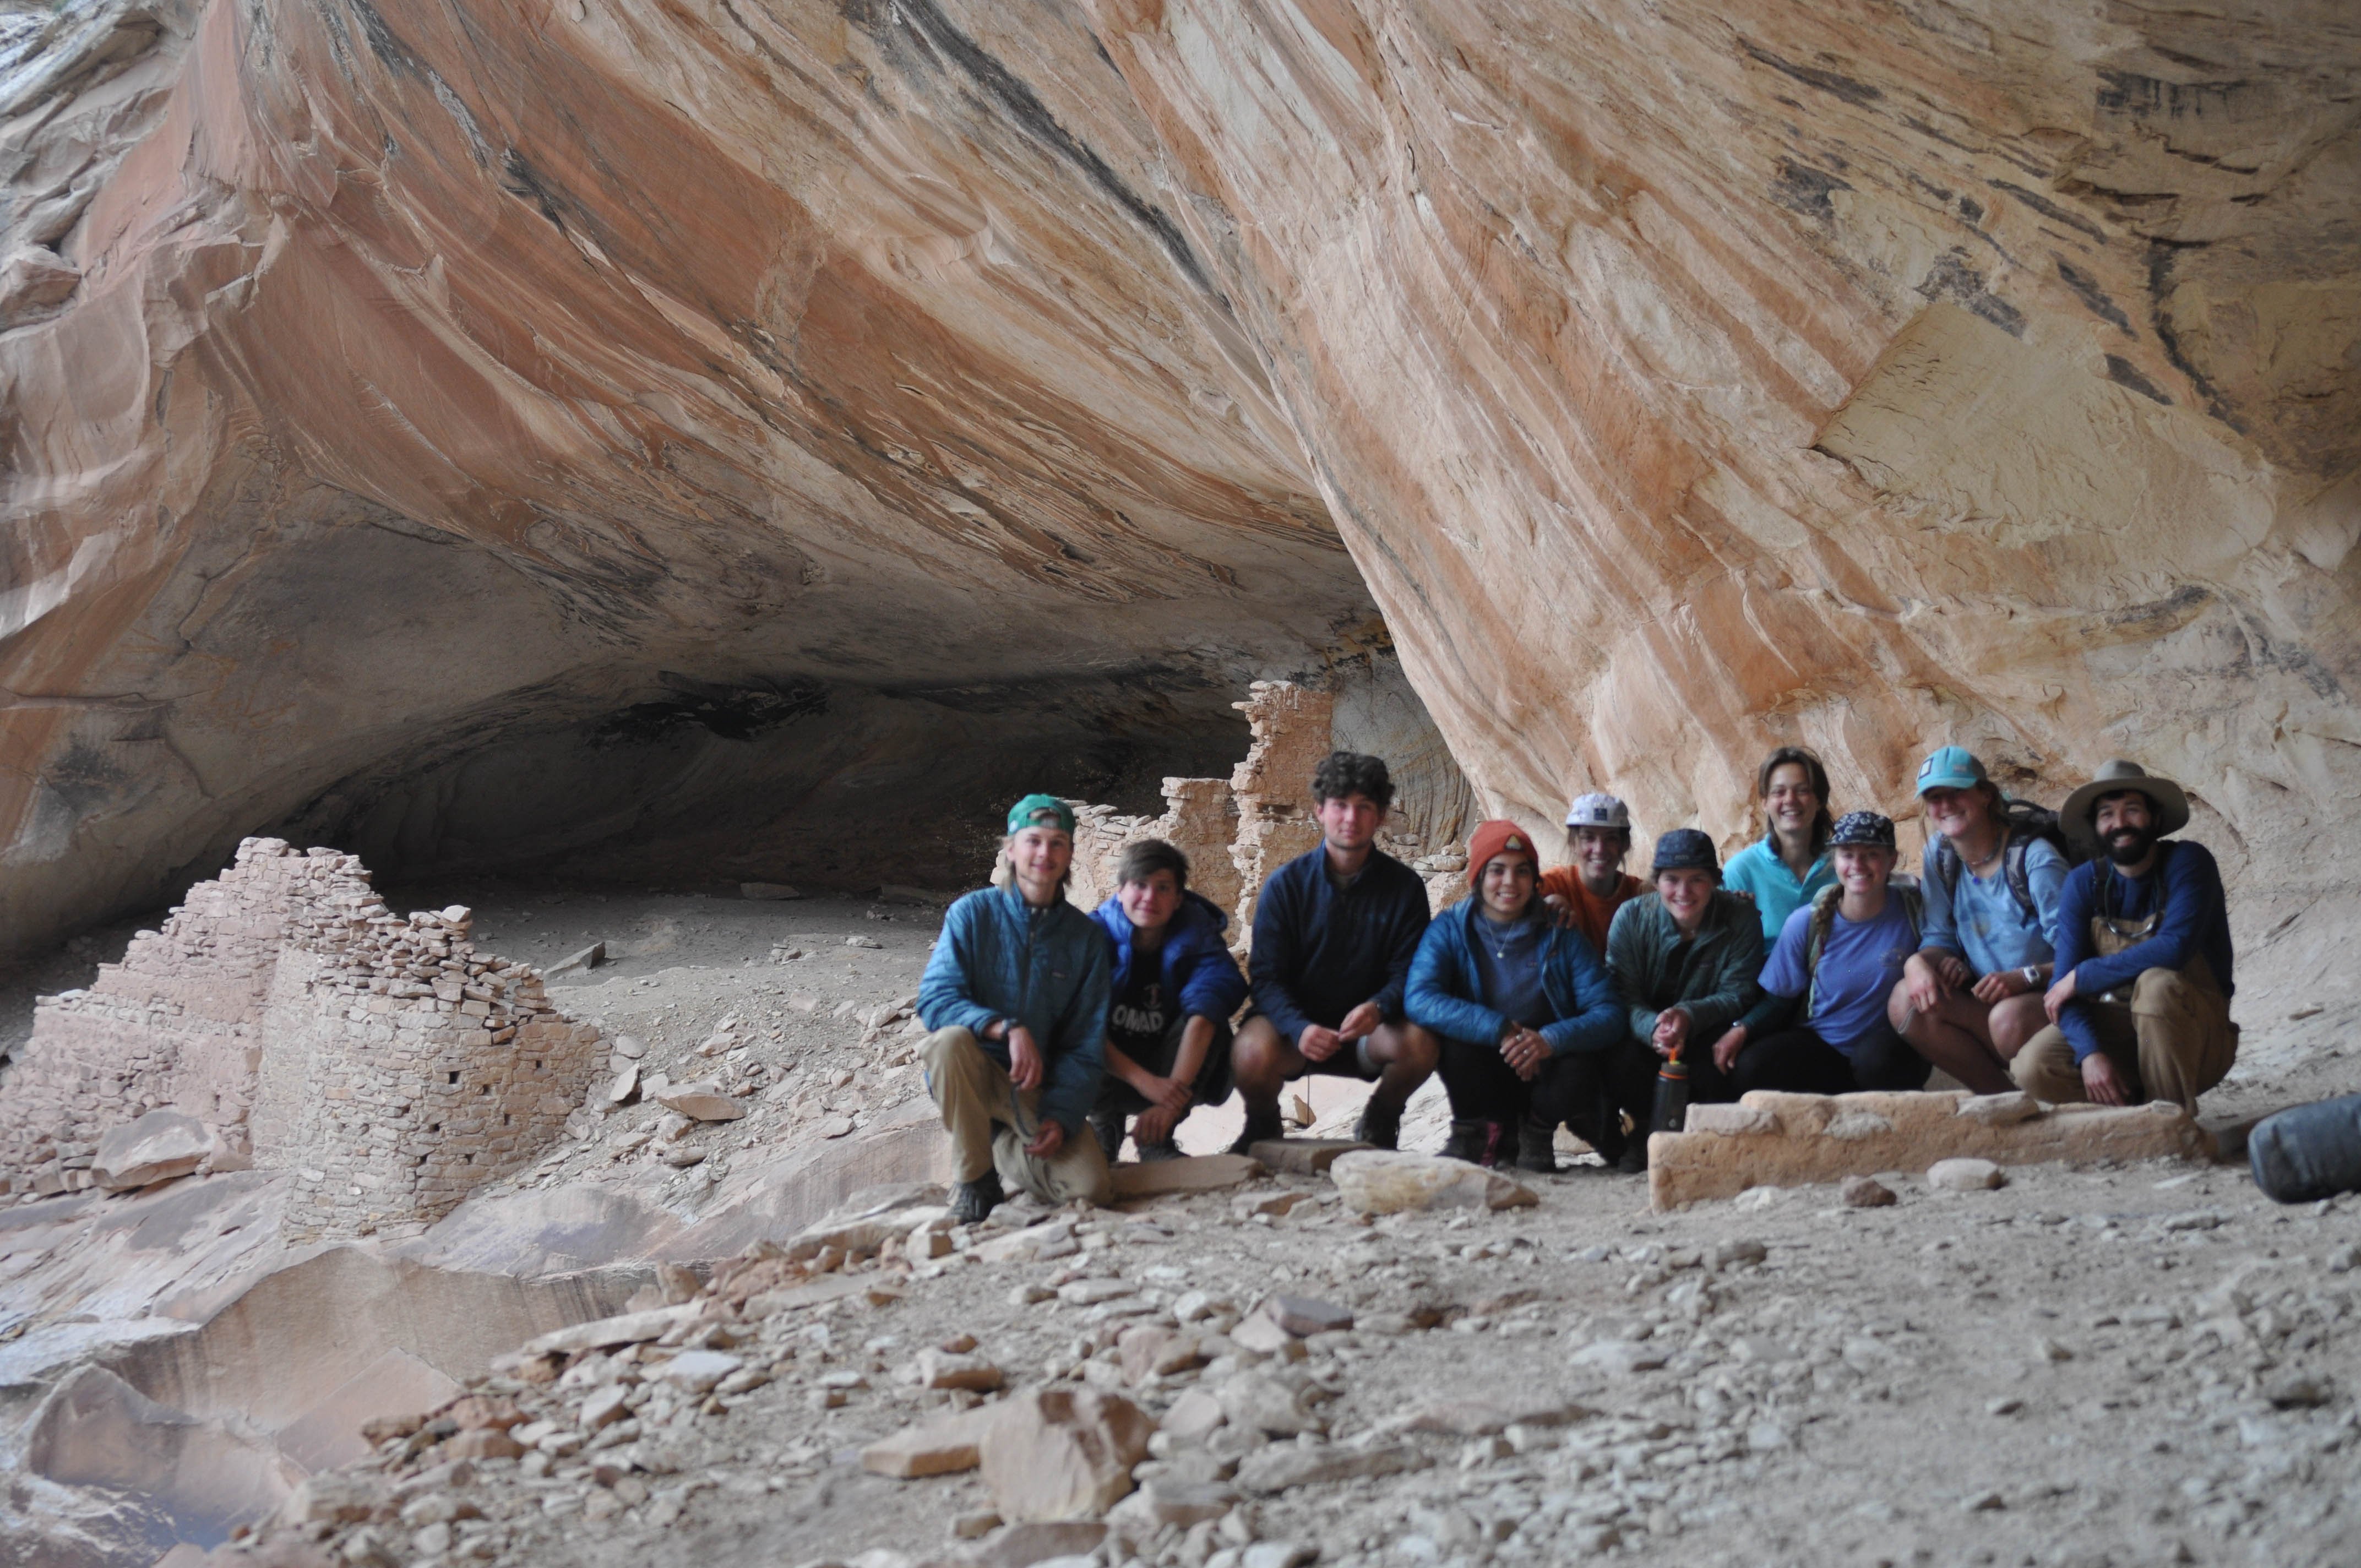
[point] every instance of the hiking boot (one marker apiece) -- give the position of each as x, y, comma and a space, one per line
1634, 1161
1477, 1142
1261, 1128
1107, 1126
971, 1200
1536, 1147
1380, 1127
1157, 1153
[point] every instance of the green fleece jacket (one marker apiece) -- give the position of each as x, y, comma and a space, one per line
1712, 974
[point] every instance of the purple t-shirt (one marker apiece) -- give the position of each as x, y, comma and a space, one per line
1861, 964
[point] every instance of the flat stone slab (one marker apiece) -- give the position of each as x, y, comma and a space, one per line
1304, 1156
1383, 1182
158, 1147
818, 1293
940, 1447
1773, 1139
630, 1328
1195, 1173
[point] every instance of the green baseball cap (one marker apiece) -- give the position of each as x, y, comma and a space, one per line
1950, 767
1029, 812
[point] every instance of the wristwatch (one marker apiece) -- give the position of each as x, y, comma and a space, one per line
2033, 976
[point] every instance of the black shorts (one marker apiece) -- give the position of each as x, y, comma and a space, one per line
1213, 1085
1350, 1061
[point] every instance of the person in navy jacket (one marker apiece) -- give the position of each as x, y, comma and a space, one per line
1174, 989
1523, 1008
1334, 931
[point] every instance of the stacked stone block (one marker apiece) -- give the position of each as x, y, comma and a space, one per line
379, 1057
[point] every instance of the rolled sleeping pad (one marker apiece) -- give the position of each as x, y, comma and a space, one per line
2309, 1152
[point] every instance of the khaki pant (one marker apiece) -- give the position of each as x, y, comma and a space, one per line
975, 1096
2174, 1042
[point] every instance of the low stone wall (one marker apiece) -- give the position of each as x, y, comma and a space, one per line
1770, 1139
382, 1058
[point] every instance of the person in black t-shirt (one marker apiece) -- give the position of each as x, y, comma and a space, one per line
1175, 987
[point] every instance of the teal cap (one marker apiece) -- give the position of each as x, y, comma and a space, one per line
1028, 812
1950, 767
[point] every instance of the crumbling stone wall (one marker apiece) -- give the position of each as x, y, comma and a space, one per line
1199, 819
1292, 731
379, 1057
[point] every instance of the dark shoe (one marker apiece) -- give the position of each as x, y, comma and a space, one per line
971, 1200
1635, 1155
1537, 1148
1261, 1128
1477, 1142
1157, 1154
1108, 1127
1380, 1127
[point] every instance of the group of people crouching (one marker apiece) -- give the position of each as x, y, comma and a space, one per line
2079, 955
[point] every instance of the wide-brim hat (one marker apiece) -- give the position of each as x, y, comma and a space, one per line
2113, 778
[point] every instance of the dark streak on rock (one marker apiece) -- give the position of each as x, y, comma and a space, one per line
2124, 373
2144, 97
1951, 278
1034, 118
517, 176
1844, 87
1804, 189
2163, 254
2086, 288
2050, 209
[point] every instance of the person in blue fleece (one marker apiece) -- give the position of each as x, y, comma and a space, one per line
1016, 997
1175, 988
1523, 1005
1334, 931
2140, 1009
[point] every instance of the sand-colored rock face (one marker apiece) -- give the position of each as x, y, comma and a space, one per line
432, 434
1690, 378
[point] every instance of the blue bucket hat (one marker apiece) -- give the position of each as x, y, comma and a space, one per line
1950, 767
1863, 828
1687, 850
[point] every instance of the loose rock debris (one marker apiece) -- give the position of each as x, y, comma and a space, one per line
1809, 1382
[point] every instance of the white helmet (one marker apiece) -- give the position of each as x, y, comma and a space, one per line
1598, 811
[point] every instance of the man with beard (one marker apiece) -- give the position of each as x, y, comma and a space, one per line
2140, 1009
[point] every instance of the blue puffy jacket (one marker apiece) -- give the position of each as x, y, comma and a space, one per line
1197, 969
1446, 988
1045, 968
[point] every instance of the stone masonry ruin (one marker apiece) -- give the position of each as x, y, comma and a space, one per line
1236, 831
379, 1057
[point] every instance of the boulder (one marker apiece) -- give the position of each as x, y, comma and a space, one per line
1964, 1176
940, 1447
1063, 1453
157, 1148
703, 1101
1382, 1181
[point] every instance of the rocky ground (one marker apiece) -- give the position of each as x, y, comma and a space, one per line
2141, 1365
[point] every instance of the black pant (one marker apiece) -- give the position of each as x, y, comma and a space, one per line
1800, 1061
1213, 1086
1583, 1090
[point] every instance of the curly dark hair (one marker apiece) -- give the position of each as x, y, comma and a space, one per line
1341, 773
1142, 858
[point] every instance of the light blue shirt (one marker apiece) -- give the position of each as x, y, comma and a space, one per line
1509, 962
1859, 965
1758, 871
1981, 921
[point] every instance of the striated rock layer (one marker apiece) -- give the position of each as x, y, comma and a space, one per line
484, 431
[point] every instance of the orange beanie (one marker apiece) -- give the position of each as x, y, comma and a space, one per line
1495, 837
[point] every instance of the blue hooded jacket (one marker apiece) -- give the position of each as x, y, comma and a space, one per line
1045, 968
1197, 966
1445, 987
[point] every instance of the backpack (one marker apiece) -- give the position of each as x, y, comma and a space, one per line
1824, 918
2023, 822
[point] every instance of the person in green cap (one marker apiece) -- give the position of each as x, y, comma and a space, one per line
1016, 996
1970, 996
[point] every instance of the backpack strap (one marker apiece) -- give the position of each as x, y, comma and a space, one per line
2020, 882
